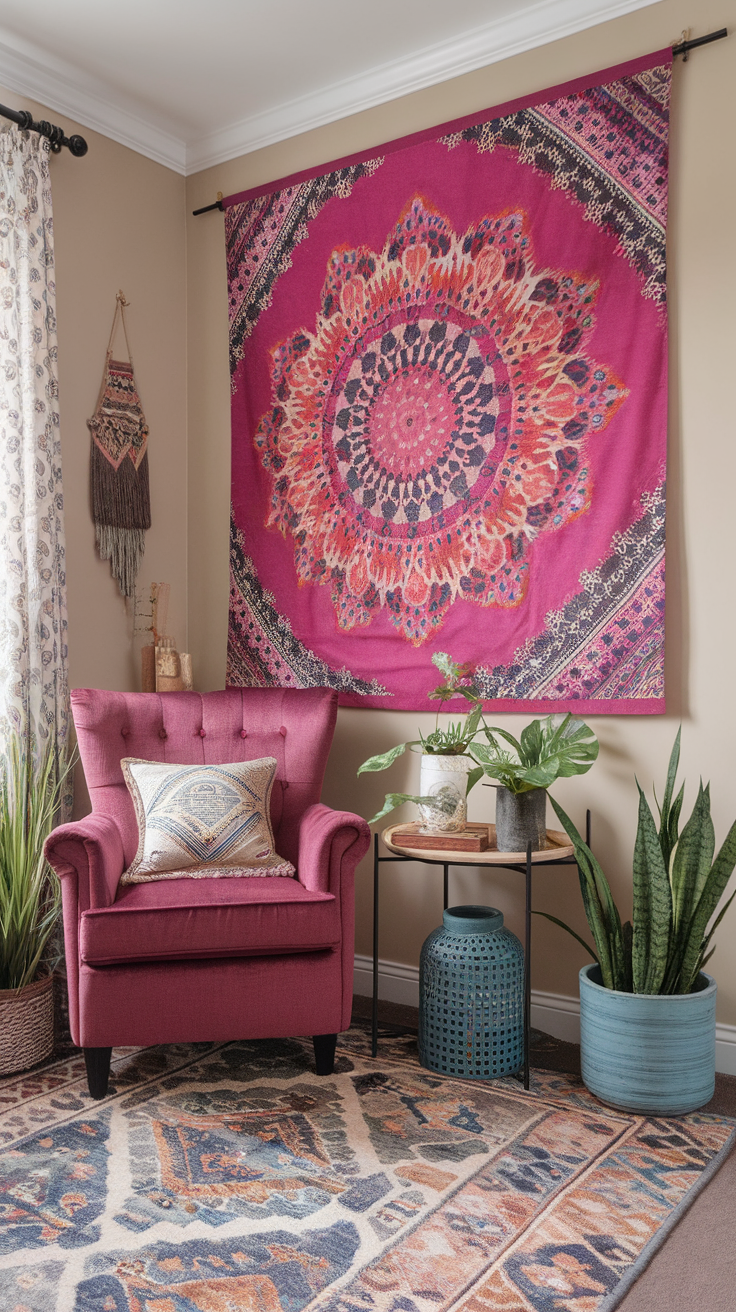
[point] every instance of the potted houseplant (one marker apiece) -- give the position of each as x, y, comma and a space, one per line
647, 1006
447, 772
29, 904
548, 749
554, 748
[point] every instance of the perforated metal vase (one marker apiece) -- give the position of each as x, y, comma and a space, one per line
471, 996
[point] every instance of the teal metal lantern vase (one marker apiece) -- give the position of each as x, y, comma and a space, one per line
471, 996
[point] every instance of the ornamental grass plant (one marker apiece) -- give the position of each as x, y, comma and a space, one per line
677, 885
30, 795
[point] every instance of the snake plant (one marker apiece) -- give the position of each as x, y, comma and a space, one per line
29, 891
678, 886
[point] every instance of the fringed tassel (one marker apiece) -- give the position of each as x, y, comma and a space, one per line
121, 503
120, 497
124, 548
121, 509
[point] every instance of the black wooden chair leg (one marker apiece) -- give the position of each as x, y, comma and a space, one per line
97, 1061
324, 1053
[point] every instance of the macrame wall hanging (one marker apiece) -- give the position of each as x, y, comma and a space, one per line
121, 505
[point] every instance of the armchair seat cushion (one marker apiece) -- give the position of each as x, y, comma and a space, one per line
186, 919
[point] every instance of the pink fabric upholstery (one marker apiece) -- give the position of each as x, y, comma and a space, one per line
189, 728
210, 1001
208, 959
184, 918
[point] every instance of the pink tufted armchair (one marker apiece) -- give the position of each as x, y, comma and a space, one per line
191, 960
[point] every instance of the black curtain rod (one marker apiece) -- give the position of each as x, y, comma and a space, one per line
218, 205
77, 145
682, 48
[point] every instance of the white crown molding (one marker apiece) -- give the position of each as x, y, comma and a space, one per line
553, 1013
63, 88
531, 27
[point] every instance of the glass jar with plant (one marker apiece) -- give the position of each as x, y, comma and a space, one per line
447, 772
647, 1007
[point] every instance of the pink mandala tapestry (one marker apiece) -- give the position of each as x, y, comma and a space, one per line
449, 378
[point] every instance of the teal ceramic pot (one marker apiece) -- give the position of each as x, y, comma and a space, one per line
648, 1053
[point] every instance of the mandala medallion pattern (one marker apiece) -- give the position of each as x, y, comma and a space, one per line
449, 408
436, 422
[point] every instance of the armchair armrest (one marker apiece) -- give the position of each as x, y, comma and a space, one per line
89, 854
331, 843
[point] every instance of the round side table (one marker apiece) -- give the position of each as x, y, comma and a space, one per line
559, 851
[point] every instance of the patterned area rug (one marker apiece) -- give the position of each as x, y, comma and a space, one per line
216, 1178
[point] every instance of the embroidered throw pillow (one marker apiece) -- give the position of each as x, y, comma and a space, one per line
202, 821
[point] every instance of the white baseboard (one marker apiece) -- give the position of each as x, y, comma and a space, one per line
555, 1013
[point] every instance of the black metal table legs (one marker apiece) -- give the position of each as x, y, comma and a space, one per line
526, 869
374, 1013
527, 964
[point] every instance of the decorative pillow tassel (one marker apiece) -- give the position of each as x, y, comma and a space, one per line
121, 504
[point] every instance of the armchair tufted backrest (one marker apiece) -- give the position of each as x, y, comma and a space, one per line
189, 728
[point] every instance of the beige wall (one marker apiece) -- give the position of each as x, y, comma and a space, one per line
118, 223
701, 633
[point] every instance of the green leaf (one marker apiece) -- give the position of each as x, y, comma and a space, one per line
455, 676
665, 810
385, 759
718, 920
473, 777
715, 884
673, 827
556, 747
446, 665
390, 804
600, 909
496, 766
652, 906
627, 934
531, 744
692, 863
542, 775
508, 737
30, 795
561, 923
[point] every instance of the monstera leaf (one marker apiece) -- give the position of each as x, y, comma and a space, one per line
549, 749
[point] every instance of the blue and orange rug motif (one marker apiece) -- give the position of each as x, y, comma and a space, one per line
228, 1177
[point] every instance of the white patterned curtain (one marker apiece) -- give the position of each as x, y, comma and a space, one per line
33, 624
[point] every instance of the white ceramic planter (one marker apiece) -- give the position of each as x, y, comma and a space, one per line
649, 1053
446, 778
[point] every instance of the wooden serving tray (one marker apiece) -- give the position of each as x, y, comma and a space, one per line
473, 838
557, 849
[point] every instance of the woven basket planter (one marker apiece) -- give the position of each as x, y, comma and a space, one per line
26, 1025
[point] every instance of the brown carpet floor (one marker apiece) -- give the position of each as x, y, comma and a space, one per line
695, 1270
